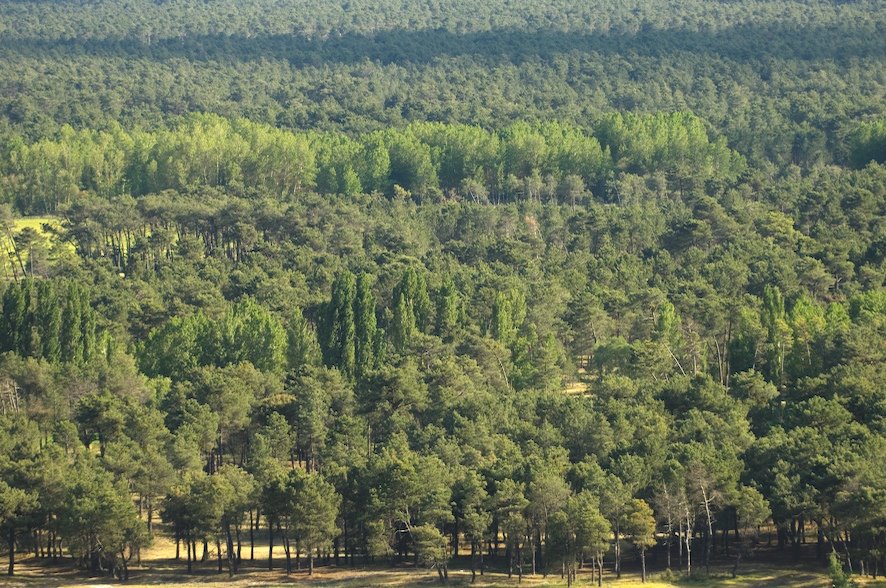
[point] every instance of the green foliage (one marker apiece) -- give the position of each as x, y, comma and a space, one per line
839, 578
540, 273
867, 142
338, 331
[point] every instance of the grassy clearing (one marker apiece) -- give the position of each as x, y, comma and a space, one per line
580, 384
159, 568
36, 223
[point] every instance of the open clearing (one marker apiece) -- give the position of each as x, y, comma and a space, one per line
37, 224
159, 571
769, 568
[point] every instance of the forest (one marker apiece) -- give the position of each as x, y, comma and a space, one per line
544, 291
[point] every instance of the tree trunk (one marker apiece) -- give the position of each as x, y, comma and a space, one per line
150, 517
680, 544
482, 563
229, 549
455, 538
11, 543
617, 552
688, 539
670, 539
643, 563
519, 561
270, 545
707, 508
286, 547
188, 541
251, 537
239, 547
125, 564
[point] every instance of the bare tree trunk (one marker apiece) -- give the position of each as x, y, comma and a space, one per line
617, 551
188, 541
252, 536
643, 563
709, 538
11, 547
688, 539
270, 545
286, 547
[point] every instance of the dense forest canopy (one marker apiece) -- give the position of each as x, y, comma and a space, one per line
550, 283
785, 82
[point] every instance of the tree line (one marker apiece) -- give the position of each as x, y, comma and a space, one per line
427, 160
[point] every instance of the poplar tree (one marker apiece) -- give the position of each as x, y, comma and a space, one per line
71, 334
777, 331
365, 326
302, 348
48, 319
26, 320
13, 318
447, 310
338, 333
412, 308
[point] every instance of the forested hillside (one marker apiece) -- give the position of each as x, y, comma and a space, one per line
541, 287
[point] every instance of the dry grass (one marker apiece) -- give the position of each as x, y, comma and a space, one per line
32, 222
159, 568
580, 384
